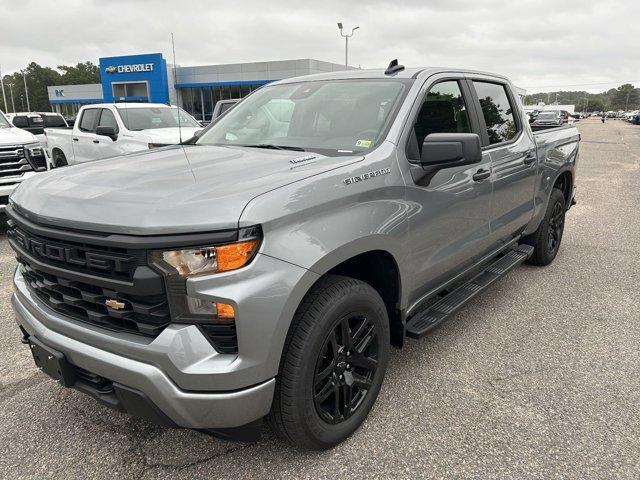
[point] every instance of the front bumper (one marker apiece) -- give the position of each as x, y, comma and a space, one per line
179, 371
184, 408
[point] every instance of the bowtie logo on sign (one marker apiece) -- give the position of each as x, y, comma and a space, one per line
133, 68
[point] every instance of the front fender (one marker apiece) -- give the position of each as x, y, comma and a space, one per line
321, 221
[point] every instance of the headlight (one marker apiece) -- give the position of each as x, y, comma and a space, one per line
34, 149
211, 258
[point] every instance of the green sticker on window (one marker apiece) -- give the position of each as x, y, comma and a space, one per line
364, 143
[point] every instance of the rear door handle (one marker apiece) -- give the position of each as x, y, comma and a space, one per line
529, 159
481, 174
75, 139
96, 141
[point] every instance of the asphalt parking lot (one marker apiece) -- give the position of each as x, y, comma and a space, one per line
539, 378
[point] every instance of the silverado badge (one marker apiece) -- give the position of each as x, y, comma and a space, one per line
113, 303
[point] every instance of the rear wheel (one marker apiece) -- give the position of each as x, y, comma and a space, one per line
546, 240
59, 160
333, 364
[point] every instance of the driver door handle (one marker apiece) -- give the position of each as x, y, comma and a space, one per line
96, 141
481, 175
529, 159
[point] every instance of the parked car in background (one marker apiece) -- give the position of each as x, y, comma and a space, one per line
36, 122
21, 157
636, 118
266, 267
548, 119
108, 129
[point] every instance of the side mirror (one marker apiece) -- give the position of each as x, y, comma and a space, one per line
446, 150
107, 131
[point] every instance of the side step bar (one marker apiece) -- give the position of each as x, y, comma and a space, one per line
419, 324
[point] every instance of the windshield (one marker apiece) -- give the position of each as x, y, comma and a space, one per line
333, 117
547, 116
146, 118
4, 123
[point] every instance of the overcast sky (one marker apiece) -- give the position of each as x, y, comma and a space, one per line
542, 45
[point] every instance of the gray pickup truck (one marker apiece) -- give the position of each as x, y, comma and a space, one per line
263, 270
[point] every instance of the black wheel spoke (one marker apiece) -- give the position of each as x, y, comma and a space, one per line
361, 382
320, 376
337, 414
362, 361
324, 392
346, 333
364, 342
347, 400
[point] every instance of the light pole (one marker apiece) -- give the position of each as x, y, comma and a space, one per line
13, 105
4, 95
556, 99
346, 43
26, 91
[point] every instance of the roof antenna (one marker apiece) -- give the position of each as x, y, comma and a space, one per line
173, 48
393, 67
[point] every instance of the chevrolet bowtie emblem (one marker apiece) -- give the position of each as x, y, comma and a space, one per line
115, 304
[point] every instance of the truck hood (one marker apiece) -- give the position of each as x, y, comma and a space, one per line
178, 189
10, 136
169, 136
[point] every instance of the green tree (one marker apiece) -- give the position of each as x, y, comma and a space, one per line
38, 78
79, 74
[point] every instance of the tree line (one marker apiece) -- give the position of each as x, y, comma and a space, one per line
38, 78
625, 97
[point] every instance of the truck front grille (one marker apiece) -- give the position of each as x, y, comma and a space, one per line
13, 161
104, 279
147, 315
109, 262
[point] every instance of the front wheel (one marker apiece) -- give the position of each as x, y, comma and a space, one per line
333, 364
59, 160
546, 240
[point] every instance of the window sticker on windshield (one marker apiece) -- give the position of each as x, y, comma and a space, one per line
364, 143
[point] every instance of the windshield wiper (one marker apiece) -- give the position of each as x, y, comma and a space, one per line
275, 147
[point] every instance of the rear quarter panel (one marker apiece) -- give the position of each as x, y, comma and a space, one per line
557, 150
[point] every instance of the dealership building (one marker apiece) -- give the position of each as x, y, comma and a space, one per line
148, 78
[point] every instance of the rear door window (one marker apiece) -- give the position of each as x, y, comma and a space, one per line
497, 110
89, 120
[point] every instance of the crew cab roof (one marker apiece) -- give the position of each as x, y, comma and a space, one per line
407, 73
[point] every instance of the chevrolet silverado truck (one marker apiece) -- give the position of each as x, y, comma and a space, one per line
21, 156
111, 129
264, 269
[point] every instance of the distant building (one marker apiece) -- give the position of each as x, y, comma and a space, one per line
148, 78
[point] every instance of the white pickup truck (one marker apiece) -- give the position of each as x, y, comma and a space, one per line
21, 156
109, 129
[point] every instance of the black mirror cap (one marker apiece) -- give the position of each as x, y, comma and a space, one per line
444, 150
107, 131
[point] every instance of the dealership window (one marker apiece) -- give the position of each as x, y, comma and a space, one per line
200, 101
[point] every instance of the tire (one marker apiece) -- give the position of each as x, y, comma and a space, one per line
546, 240
316, 373
59, 160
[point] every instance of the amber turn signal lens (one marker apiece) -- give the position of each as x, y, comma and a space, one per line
225, 310
235, 255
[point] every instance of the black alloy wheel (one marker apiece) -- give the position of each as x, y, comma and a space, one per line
345, 368
556, 227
